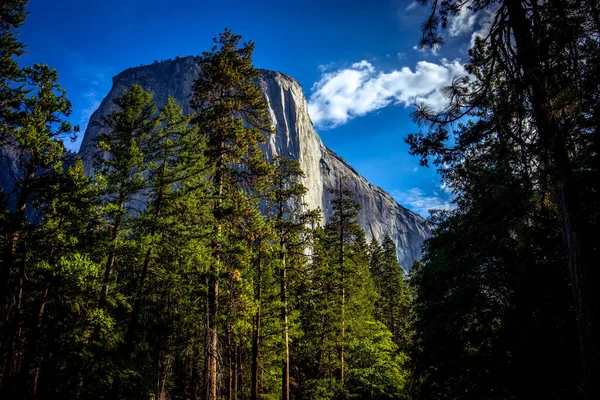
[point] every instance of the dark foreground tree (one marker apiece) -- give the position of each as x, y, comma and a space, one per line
534, 86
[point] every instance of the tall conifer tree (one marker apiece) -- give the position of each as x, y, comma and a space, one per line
122, 164
232, 114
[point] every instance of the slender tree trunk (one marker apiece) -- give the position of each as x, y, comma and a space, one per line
137, 305
210, 374
211, 336
254, 394
240, 369
229, 365
11, 249
553, 138
285, 373
110, 262
31, 347
237, 370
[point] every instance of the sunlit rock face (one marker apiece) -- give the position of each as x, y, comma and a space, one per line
295, 137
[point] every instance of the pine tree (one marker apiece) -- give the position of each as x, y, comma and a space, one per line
232, 114
12, 16
393, 306
177, 173
292, 225
342, 230
122, 164
525, 89
62, 281
37, 127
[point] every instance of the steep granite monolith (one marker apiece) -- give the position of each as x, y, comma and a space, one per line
295, 137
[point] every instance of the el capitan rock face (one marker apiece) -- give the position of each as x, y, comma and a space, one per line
295, 137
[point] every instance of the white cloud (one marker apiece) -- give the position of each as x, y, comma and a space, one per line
420, 202
485, 23
433, 50
364, 64
447, 189
359, 89
463, 22
471, 22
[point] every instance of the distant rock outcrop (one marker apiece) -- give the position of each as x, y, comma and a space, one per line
296, 137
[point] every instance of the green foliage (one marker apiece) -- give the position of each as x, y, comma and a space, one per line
377, 370
337, 305
12, 16
393, 306
188, 265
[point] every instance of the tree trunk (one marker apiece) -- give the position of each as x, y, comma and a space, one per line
10, 251
285, 373
229, 365
31, 347
211, 344
110, 262
583, 275
254, 394
211, 337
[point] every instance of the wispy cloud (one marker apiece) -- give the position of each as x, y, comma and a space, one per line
92, 98
411, 6
463, 22
421, 202
359, 89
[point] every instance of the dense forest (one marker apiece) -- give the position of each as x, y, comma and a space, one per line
187, 266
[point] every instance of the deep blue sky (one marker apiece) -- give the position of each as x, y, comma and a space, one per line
88, 42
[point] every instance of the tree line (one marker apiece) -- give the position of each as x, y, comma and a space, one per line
187, 265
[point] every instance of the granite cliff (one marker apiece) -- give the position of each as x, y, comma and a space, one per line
295, 137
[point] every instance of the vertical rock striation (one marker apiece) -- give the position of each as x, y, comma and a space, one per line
295, 137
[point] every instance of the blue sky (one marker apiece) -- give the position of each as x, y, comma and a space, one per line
356, 61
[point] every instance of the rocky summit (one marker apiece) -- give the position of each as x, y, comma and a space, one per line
295, 137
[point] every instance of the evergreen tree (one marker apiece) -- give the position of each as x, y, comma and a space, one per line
37, 127
492, 296
12, 16
292, 223
393, 306
176, 178
122, 164
63, 280
337, 314
528, 91
232, 114
342, 230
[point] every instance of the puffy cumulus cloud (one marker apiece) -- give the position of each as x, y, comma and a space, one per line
421, 203
346, 93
